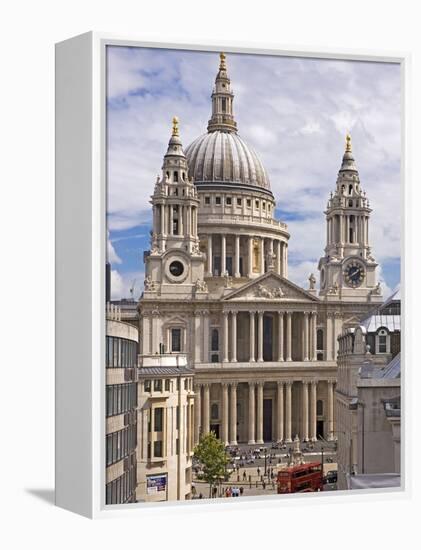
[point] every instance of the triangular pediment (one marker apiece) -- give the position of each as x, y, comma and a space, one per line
270, 287
352, 321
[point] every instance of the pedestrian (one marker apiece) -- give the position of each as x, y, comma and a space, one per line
200, 495
241, 490
258, 471
263, 485
244, 475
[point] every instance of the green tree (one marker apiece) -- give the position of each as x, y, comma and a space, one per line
211, 453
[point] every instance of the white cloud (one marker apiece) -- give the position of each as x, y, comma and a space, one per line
112, 255
122, 283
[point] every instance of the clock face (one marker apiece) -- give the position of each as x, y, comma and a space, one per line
176, 268
354, 273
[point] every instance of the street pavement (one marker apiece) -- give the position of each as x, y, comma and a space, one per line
252, 478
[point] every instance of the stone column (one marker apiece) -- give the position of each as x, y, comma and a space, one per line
206, 411
288, 412
252, 317
252, 414
163, 220
280, 335
170, 219
278, 258
285, 261
289, 336
233, 337
250, 257
223, 254
197, 412
259, 412
313, 411
233, 428
206, 331
330, 434
260, 337
225, 336
225, 437
197, 337
280, 412
305, 411
237, 256
210, 257
262, 255
329, 337
314, 336
305, 335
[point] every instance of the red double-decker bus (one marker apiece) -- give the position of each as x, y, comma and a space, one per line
303, 478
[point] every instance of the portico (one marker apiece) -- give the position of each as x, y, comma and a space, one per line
257, 410
268, 335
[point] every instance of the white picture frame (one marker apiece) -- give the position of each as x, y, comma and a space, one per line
80, 267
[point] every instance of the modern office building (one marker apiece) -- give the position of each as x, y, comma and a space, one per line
121, 408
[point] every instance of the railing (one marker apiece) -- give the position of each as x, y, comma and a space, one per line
241, 218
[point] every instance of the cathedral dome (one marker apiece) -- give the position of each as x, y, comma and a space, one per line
223, 158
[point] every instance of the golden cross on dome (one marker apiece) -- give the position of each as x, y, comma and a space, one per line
348, 143
175, 126
222, 65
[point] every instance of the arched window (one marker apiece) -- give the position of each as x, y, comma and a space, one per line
383, 341
319, 407
176, 176
214, 411
215, 340
350, 190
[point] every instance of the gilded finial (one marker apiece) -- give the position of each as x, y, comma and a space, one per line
348, 143
175, 126
222, 64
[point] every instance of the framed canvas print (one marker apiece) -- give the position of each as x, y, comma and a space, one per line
229, 301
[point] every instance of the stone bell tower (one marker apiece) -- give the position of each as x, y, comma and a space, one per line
348, 269
174, 264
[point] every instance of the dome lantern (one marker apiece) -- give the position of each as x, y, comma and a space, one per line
222, 101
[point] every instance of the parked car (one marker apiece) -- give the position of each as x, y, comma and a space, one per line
331, 477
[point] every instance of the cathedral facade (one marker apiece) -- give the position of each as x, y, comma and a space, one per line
262, 349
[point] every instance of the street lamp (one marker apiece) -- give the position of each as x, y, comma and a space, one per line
266, 455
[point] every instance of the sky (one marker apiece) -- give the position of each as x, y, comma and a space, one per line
295, 112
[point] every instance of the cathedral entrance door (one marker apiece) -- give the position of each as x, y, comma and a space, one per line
267, 419
267, 338
319, 428
215, 428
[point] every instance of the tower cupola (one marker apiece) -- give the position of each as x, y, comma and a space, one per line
222, 101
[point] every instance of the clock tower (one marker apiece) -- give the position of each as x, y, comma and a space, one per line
174, 265
348, 269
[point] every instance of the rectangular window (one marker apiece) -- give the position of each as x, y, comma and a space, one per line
147, 385
177, 417
176, 339
239, 202
158, 419
228, 201
218, 200
382, 344
157, 385
257, 204
248, 203
157, 448
207, 200
178, 384
167, 385
185, 383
